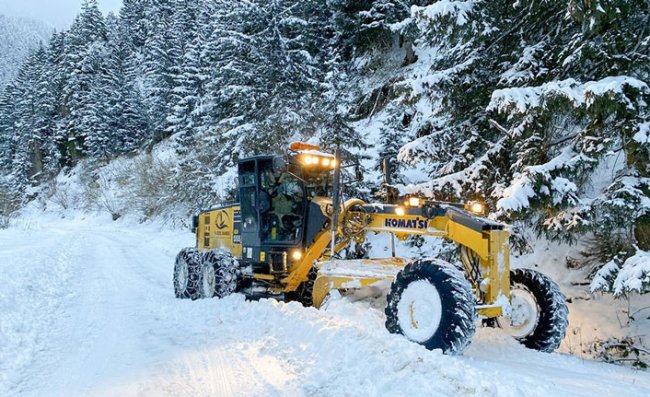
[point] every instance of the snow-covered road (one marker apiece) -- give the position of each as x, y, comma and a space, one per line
87, 309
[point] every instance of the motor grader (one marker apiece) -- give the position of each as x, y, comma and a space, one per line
285, 236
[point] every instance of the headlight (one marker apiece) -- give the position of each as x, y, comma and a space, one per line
475, 207
414, 201
315, 160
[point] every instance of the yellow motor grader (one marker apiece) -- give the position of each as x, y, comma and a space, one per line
285, 235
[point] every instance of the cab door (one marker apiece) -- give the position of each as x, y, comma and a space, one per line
248, 198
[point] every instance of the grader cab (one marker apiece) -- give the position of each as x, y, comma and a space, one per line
285, 235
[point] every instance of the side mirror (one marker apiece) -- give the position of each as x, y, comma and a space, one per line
195, 223
263, 202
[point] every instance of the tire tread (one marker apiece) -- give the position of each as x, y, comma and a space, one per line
458, 323
553, 321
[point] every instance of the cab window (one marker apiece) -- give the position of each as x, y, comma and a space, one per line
283, 221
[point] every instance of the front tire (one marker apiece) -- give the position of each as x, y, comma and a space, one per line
187, 274
431, 303
539, 317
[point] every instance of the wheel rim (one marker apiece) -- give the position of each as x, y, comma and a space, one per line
182, 275
524, 314
419, 311
208, 281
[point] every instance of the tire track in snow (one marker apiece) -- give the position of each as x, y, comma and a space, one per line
37, 274
105, 334
127, 327
225, 370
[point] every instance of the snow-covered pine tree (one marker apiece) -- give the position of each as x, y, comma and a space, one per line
268, 73
524, 102
260, 74
8, 123
84, 51
157, 61
185, 49
50, 86
117, 125
22, 123
135, 26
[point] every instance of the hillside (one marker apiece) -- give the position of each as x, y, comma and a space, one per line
18, 37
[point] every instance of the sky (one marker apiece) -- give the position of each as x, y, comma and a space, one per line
57, 13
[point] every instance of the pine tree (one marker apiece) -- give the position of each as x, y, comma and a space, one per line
527, 104
21, 129
189, 113
84, 50
157, 63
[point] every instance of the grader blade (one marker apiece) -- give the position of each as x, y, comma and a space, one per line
355, 274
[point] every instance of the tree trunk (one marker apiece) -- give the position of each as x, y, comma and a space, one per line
410, 56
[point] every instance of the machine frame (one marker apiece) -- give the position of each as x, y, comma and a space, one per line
483, 244
285, 237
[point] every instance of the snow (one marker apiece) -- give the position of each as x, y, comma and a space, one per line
633, 187
358, 268
443, 8
503, 302
88, 309
517, 196
453, 181
643, 134
419, 311
521, 70
316, 153
520, 99
635, 274
601, 281
632, 276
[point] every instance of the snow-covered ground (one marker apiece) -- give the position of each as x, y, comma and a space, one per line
87, 309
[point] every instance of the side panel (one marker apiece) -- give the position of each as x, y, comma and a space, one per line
220, 228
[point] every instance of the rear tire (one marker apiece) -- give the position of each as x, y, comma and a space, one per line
220, 274
431, 303
187, 274
539, 312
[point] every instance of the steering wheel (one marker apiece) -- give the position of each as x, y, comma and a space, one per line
290, 222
